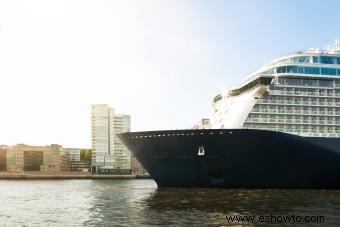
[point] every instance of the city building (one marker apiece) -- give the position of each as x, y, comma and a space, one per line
76, 164
3, 158
102, 135
74, 153
109, 155
122, 156
22, 157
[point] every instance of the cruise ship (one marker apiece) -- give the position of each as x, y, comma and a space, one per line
280, 128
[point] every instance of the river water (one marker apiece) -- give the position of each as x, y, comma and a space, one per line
140, 203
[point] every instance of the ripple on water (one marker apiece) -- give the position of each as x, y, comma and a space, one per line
139, 202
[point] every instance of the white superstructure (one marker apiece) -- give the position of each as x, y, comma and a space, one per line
298, 93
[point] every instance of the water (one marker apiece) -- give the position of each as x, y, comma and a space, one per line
140, 203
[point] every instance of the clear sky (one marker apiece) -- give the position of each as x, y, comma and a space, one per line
162, 62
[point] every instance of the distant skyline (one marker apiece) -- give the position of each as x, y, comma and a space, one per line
161, 62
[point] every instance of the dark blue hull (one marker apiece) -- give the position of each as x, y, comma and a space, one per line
237, 158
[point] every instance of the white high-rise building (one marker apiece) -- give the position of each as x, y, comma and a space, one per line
108, 153
102, 138
122, 156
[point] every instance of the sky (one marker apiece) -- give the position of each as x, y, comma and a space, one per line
161, 62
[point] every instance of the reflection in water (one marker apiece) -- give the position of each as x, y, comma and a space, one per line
118, 202
147, 205
139, 202
210, 206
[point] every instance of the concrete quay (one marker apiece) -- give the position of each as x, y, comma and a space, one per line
65, 176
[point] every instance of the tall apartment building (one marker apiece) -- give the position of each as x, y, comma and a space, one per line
102, 138
109, 155
122, 156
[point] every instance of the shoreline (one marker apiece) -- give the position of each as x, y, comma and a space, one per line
68, 176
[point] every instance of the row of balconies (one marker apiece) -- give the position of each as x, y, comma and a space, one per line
330, 133
293, 121
294, 128
305, 94
297, 102
299, 112
307, 101
300, 108
307, 91
304, 86
281, 119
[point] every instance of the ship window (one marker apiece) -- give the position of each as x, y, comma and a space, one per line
316, 59
281, 80
282, 69
328, 71
265, 80
291, 69
201, 151
269, 71
325, 83
292, 81
300, 59
309, 82
337, 83
205, 121
328, 60
312, 70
